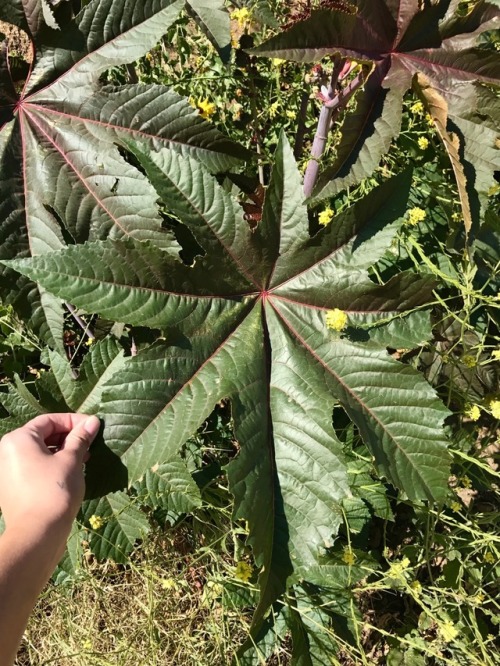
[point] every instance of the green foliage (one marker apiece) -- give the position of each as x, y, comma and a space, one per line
428, 47
248, 355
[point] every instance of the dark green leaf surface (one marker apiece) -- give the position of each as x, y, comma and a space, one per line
123, 525
403, 39
257, 334
62, 176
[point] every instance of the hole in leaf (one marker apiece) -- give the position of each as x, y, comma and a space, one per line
67, 237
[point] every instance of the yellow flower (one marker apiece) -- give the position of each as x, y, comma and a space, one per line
149, 57
472, 412
89, 342
273, 109
290, 114
429, 119
465, 481
495, 408
416, 215
326, 216
448, 631
242, 16
348, 556
168, 584
478, 599
496, 355
455, 506
469, 361
87, 644
205, 108
243, 571
277, 62
336, 319
423, 142
397, 569
416, 587
96, 522
417, 107
489, 558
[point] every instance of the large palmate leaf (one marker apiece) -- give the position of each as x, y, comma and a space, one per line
63, 178
248, 322
407, 40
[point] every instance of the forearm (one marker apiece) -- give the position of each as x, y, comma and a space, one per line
28, 556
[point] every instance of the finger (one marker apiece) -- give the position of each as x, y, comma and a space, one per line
82, 436
46, 426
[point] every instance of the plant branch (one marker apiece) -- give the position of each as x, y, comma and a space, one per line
86, 327
329, 113
132, 73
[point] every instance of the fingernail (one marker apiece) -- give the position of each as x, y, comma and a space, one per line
91, 426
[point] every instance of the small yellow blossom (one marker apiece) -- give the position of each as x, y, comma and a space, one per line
489, 558
243, 16
326, 216
416, 215
417, 107
87, 644
243, 571
472, 412
290, 114
423, 142
273, 109
205, 108
336, 319
496, 355
348, 556
455, 506
495, 408
149, 57
469, 361
465, 481
89, 342
397, 569
168, 584
96, 522
416, 587
478, 599
448, 631
277, 62
429, 119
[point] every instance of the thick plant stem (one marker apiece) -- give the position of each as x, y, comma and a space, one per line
331, 109
324, 122
132, 73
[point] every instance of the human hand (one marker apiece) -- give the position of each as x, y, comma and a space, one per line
41, 469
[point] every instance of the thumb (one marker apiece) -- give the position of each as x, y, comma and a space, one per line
82, 436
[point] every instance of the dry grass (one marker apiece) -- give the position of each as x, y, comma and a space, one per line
166, 607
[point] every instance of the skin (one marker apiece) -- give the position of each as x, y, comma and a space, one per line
42, 486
